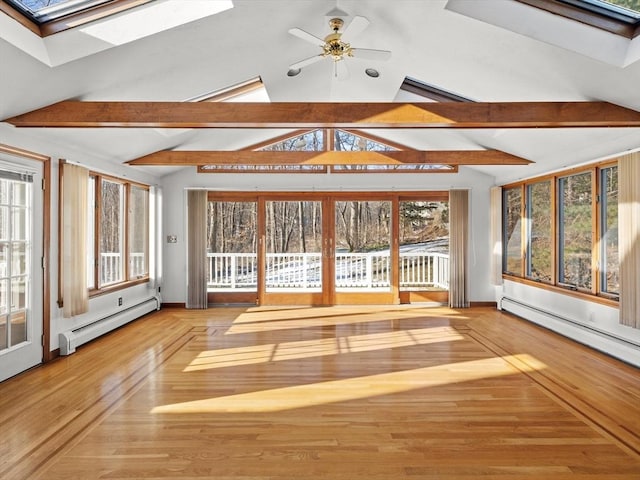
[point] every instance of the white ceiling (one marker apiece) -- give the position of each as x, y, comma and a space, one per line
538, 57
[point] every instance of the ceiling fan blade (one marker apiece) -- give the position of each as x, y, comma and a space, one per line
306, 61
340, 70
355, 28
306, 36
370, 54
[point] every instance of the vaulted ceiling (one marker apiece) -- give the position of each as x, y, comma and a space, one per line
488, 51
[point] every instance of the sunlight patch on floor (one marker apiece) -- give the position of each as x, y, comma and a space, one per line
249, 355
301, 396
261, 319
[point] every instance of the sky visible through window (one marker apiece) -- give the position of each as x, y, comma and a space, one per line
43, 10
37, 5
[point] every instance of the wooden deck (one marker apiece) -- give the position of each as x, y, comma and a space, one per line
347, 393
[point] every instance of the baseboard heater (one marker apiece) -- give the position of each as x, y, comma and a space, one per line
71, 339
617, 346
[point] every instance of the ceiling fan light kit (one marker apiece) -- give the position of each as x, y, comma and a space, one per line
335, 47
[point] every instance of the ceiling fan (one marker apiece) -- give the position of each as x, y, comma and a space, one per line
336, 46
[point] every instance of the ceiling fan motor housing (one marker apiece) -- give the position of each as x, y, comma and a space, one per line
334, 46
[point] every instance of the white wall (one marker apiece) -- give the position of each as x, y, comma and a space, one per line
587, 322
175, 186
103, 305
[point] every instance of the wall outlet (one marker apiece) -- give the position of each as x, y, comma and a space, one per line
119, 301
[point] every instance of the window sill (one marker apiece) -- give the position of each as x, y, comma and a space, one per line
117, 286
611, 302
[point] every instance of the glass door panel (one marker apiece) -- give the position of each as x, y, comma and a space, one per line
424, 245
362, 246
293, 237
232, 252
20, 277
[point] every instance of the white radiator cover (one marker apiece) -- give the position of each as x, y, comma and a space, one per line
71, 339
618, 347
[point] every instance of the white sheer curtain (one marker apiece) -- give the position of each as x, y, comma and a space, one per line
458, 247
75, 294
196, 249
496, 235
629, 238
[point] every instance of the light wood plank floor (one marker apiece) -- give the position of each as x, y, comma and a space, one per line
347, 393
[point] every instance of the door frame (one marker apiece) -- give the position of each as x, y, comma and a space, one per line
45, 314
328, 296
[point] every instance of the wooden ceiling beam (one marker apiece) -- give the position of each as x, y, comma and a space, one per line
329, 115
244, 157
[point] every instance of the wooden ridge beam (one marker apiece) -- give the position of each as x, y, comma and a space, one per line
326, 115
244, 157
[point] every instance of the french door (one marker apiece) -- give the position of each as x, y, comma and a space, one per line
321, 249
21, 275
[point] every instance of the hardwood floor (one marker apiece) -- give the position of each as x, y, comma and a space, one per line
343, 393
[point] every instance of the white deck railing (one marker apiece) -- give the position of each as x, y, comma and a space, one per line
360, 271
423, 270
111, 267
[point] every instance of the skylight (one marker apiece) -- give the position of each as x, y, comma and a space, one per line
42, 11
623, 8
621, 17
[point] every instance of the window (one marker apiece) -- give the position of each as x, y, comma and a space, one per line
117, 233
45, 10
609, 268
138, 221
540, 233
570, 234
110, 232
621, 17
575, 222
512, 236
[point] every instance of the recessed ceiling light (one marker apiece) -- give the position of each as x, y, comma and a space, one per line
293, 72
372, 72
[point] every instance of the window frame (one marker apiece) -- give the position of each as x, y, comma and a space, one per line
529, 228
602, 223
589, 14
94, 218
81, 17
596, 292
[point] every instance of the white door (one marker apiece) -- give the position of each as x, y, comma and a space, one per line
21, 273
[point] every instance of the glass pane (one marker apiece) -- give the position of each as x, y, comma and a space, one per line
19, 259
4, 260
363, 238
4, 223
20, 226
4, 297
138, 232
512, 240
91, 227
4, 191
539, 262
424, 245
4, 331
111, 219
231, 246
348, 142
575, 227
631, 6
19, 193
610, 267
294, 246
18, 294
18, 328
312, 141
46, 10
